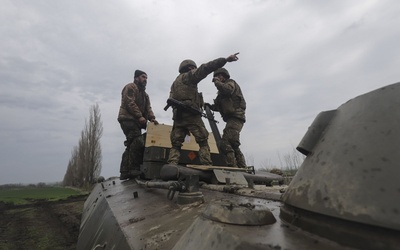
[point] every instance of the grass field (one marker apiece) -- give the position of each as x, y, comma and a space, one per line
26, 195
45, 217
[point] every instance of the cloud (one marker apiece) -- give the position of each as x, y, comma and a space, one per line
296, 60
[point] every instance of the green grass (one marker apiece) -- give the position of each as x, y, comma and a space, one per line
26, 195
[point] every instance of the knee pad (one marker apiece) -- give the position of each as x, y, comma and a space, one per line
235, 144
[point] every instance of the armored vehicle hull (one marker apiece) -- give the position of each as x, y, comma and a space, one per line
344, 196
126, 215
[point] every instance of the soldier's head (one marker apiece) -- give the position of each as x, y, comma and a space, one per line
222, 74
140, 78
187, 65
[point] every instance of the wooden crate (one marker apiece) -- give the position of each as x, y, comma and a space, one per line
159, 136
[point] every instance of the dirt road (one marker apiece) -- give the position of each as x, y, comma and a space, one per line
42, 225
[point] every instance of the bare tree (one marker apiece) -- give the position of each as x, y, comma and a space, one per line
291, 162
92, 133
266, 165
84, 167
69, 177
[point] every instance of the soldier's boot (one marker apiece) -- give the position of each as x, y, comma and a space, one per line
124, 176
174, 155
124, 167
227, 151
136, 153
204, 153
230, 159
240, 160
134, 173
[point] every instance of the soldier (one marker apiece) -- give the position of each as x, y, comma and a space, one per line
184, 89
232, 106
133, 114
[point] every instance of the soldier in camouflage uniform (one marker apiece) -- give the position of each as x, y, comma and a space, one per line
232, 106
133, 115
184, 89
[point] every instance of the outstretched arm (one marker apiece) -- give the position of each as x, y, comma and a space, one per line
205, 69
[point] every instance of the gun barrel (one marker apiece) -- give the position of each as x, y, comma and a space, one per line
177, 104
213, 125
167, 107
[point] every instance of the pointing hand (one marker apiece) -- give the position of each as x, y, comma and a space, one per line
232, 58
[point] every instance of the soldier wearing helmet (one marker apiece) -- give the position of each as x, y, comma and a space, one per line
134, 112
184, 89
231, 104
187, 65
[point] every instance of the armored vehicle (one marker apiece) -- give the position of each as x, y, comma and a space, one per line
345, 195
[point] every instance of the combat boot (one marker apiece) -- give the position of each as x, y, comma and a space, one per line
124, 176
134, 173
230, 159
240, 160
204, 153
174, 155
124, 166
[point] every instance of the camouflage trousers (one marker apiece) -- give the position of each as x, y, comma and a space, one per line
181, 128
132, 157
230, 143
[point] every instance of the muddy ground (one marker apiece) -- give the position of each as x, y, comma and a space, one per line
41, 225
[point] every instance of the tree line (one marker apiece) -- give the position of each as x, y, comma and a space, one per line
84, 166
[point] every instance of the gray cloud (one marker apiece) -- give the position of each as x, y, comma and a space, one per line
296, 60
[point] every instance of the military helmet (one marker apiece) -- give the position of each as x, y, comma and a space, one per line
183, 67
222, 71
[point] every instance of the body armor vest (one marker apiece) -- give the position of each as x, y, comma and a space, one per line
233, 105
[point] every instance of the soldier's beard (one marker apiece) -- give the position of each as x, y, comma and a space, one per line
142, 85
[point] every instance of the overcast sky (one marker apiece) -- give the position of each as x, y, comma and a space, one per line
297, 58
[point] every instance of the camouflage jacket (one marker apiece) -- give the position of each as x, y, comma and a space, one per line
230, 101
184, 88
135, 103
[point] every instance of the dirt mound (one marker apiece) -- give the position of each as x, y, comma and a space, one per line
41, 225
